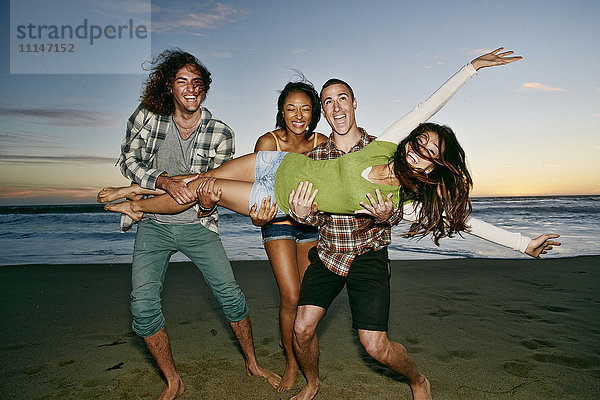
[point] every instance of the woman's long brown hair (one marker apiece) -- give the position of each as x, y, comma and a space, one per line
443, 192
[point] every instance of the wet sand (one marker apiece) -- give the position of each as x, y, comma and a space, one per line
478, 328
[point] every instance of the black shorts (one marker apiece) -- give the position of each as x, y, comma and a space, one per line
367, 284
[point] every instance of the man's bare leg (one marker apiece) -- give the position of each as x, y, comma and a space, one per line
307, 348
395, 356
159, 347
243, 332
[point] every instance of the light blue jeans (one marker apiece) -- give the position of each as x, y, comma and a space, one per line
154, 245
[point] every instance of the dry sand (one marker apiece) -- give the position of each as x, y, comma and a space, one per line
478, 328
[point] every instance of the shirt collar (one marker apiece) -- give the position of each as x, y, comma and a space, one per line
364, 140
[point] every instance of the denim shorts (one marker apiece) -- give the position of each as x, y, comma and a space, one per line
296, 232
267, 163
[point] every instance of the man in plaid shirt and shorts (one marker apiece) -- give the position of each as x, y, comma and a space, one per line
171, 134
351, 251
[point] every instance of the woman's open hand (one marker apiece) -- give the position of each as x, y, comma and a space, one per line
541, 245
266, 212
493, 58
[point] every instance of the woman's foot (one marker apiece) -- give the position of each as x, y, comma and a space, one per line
109, 194
289, 377
126, 208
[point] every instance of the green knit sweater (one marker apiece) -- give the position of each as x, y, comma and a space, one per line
341, 186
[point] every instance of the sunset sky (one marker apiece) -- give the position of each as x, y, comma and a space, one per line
529, 128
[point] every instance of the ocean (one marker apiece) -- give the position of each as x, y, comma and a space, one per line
86, 234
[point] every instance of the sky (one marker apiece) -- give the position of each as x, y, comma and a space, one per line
528, 128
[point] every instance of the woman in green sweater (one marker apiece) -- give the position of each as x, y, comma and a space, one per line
426, 169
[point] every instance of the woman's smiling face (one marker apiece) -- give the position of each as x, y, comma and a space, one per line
429, 146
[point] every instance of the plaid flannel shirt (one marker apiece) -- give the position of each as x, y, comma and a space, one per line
340, 236
213, 146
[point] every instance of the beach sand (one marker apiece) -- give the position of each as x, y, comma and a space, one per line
478, 328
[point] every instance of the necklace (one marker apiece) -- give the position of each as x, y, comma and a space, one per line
187, 130
180, 138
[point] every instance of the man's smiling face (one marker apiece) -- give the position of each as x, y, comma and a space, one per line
338, 107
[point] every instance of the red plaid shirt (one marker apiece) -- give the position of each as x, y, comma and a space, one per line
340, 236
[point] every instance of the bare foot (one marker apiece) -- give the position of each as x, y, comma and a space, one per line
308, 393
108, 194
289, 377
272, 377
124, 208
172, 391
421, 390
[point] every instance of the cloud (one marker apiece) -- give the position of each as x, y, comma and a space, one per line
298, 51
45, 160
61, 117
539, 87
198, 19
28, 192
26, 140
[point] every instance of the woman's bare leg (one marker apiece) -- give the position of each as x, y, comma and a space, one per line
238, 169
282, 256
235, 196
132, 192
289, 261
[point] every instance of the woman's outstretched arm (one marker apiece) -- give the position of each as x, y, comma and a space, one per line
516, 241
437, 100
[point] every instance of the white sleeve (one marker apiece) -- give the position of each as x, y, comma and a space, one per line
494, 234
425, 110
479, 228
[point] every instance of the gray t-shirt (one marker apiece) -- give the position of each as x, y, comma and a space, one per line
175, 157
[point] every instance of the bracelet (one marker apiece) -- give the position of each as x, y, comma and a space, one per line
205, 210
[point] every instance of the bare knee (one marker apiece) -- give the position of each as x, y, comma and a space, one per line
289, 301
376, 345
303, 331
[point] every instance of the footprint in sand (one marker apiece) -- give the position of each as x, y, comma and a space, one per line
518, 368
522, 314
535, 344
455, 355
441, 313
35, 369
561, 359
555, 309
